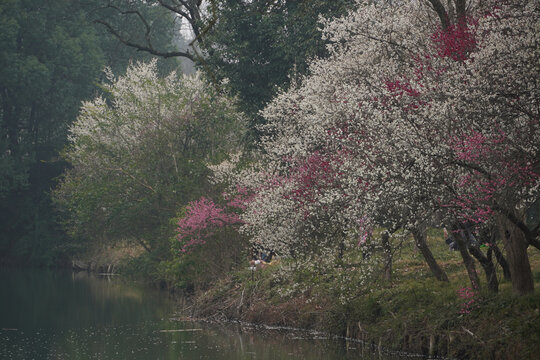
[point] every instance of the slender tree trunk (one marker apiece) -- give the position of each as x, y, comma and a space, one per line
144, 245
467, 259
387, 249
488, 235
502, 261
420, 240
487, 265
515, 245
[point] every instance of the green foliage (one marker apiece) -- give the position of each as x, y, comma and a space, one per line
51, 53
48, 59
140, 154
145, 264
222, 253
258, 45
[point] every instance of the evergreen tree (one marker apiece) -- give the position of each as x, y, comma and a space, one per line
49, 56
260, 46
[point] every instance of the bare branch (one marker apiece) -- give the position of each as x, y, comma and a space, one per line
141, 17
176, 10
148, 48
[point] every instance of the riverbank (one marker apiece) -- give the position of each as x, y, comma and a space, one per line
59, 314
353, 298
106, 259
412, 313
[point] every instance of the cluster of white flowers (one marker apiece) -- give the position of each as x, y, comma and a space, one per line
145, 143
139, 104
407, 119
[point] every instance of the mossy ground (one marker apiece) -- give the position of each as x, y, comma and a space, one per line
413, 312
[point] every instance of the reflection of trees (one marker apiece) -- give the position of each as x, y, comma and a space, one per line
113, 289
64, 315
65, 300
238, 340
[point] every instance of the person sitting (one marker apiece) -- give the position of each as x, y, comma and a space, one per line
267, 257
466, 232
449, 240
259, 260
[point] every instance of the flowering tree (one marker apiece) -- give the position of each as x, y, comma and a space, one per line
339, 113
495, 149
201, 220
140, 152
416, 113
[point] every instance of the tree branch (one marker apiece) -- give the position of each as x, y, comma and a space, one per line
530, 236
461, 10
149, 48
142, 183
441, 12
178, 11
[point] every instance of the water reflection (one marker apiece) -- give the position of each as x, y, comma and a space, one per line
60, 315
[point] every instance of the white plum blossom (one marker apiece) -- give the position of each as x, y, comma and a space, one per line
405, 121
139, 152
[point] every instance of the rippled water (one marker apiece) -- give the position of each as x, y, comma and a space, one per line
64, 315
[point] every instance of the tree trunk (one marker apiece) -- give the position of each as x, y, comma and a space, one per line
488, 235
487, 265
502, 261
467, 259
387, 249
515, 245
420, 240
341, 248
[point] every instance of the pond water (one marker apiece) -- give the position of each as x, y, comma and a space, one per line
65, 315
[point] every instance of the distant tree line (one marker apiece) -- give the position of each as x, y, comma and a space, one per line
52, 54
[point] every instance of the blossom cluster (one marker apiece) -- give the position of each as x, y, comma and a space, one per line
139, 151
469, 296
404, 122
203, 217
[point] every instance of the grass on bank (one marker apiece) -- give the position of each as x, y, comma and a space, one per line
409, 313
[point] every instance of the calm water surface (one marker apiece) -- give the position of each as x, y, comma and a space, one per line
64, 315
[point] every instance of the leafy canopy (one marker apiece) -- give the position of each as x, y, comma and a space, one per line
139, 153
